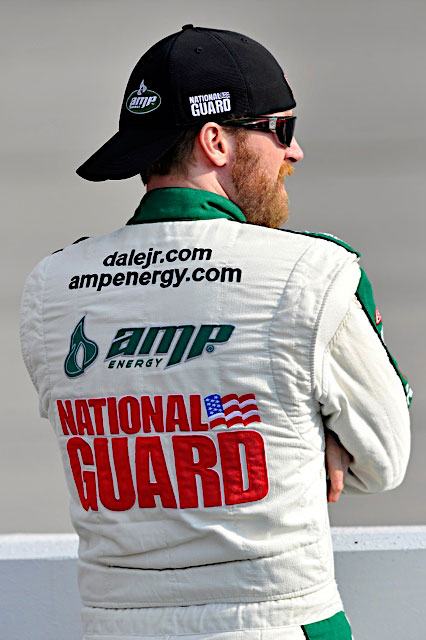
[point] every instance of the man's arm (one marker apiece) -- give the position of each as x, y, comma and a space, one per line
363, 401
32, 333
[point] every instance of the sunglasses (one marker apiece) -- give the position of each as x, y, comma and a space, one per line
282, 126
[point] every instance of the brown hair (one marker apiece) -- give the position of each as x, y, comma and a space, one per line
178, 158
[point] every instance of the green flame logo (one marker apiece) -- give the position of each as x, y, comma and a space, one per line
89, 354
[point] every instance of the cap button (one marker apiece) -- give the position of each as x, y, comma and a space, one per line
187, 26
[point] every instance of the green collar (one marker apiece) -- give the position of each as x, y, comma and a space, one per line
175, 203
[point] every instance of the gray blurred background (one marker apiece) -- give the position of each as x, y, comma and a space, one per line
357, 70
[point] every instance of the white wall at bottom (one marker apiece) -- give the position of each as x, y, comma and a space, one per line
381, 573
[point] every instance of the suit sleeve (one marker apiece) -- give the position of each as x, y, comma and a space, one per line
364, 397
32, 333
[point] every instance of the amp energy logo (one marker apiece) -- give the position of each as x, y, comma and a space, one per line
158, 347
174, 344
143, 100
83, 352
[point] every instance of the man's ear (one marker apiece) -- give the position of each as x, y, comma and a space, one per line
215, 144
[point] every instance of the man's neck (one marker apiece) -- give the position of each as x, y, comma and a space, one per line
205, 182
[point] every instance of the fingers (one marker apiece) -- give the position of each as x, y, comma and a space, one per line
337, 460
336, 485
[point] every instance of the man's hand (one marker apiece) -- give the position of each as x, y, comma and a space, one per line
337, 462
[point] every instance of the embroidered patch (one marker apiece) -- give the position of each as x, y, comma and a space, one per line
105, 434
210, 103
143, 100
177, 343
83, 352
231, 409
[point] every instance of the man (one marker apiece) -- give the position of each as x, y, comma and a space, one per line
194, 362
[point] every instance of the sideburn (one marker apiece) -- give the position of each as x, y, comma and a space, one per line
261, 200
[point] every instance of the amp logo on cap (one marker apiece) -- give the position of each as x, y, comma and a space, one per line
143, 100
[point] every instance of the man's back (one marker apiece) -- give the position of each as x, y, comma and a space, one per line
181, 365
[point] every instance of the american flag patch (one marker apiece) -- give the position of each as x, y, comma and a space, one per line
231, 409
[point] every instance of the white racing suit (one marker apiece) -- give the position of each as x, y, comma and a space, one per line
188, 363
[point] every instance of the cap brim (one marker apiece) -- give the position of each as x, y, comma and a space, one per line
128, 153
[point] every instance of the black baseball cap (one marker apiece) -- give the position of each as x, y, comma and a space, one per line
188, 78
